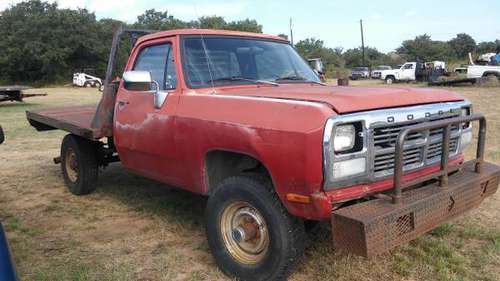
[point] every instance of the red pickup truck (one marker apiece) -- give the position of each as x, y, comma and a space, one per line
242, 119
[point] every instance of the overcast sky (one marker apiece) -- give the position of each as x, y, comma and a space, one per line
387, 23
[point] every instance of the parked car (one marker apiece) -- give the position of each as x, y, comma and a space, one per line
272, 147
360, 73
378, 71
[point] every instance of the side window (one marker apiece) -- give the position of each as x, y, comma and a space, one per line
158, 60
170, 75
408, 66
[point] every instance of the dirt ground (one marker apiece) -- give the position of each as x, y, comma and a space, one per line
133, 228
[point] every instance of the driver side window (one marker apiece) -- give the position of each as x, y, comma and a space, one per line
159, 61
408, 66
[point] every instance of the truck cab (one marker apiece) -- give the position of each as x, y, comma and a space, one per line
407, 72
242, 119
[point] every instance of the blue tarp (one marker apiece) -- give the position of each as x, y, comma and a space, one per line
7, 270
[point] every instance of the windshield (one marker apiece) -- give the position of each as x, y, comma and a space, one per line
360, 69
383, 67
228, 60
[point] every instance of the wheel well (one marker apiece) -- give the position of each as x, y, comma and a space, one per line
491, 73
390, 76
220, 165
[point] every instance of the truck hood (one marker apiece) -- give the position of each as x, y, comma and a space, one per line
347, 99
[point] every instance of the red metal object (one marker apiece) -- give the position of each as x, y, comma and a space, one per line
282, 127
373, 227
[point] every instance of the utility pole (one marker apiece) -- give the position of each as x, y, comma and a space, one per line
362, 41
291, 32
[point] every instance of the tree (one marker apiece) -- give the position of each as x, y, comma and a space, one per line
155, 20
315, 48
462, 44
423, 48
488, 47
245, 25
43, 43
354, 57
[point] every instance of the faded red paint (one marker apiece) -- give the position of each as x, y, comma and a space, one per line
280, 126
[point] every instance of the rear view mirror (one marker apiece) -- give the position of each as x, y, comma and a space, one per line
136, 80
2, 137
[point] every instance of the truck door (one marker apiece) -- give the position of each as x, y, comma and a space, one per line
144, 134
407, 72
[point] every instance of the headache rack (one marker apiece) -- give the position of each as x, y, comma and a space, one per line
446, 125
397, 217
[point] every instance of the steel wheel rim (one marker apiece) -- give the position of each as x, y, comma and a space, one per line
244, 232
71, 164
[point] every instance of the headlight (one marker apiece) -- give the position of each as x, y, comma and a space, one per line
465, 111
346, 168
344, 138
465, 139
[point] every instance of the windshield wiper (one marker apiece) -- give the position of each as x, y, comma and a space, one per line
298, 78
234, 78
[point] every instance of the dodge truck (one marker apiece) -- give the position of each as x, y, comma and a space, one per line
241, 118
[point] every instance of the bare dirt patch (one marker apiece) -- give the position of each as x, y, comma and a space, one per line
136, 229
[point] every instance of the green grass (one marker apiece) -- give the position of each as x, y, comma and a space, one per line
57, 236
451, 252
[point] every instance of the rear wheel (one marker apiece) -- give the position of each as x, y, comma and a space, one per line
250, 233
492, 76
79, 164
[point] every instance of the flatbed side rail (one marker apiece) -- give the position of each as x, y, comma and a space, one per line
444, 170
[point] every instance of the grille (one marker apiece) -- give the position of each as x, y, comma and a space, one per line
421, 149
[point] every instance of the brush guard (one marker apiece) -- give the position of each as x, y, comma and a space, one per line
378, 225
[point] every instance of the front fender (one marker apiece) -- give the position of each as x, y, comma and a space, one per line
284, 135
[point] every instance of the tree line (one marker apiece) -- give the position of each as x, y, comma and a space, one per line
422, 48
43, 43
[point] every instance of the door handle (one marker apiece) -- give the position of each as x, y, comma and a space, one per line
122, 104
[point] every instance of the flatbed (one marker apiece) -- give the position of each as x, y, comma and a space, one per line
16, 93
75, 119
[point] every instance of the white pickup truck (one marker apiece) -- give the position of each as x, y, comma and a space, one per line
407, 72
478, 71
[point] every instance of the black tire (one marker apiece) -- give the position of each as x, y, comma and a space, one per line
87, 85
83, 153
390, 80
286, 233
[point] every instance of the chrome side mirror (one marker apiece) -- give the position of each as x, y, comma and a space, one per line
137, 80
2, 136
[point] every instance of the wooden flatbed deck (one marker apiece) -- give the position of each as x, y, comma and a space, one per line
74, 119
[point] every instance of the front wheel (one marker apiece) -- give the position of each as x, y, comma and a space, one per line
389, 80
79, 164
250, 233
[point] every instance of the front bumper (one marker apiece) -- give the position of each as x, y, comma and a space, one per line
381, 224
376, 226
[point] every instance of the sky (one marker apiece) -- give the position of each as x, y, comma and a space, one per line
386, 23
